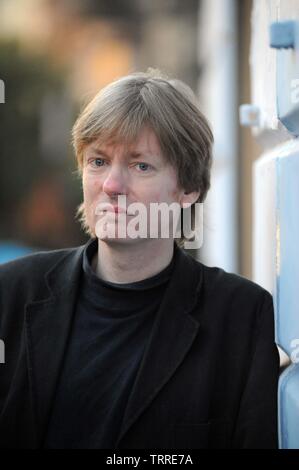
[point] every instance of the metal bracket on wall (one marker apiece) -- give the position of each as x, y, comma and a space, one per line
284, 36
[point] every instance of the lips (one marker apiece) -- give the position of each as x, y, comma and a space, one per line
106, 207
118, 209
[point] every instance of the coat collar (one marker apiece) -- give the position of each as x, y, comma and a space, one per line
48, 324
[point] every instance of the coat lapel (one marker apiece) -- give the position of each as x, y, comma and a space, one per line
173, 333
48, 324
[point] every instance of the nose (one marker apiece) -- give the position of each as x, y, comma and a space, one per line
115, 181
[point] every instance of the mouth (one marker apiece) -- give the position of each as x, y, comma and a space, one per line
116, 211
104, 208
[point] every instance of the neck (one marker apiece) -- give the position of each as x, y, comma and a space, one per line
120, 263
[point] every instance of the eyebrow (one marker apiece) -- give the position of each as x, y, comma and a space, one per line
133, 154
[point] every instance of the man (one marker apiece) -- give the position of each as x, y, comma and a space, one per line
127, 341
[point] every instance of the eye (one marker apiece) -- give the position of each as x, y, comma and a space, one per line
143, 166
97, 162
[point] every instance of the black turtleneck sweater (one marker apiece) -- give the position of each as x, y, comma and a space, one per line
111, 326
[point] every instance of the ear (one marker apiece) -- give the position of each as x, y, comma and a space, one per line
187, 199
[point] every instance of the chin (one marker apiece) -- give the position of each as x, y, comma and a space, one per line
121, 241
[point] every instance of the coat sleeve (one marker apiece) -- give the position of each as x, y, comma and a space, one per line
257, 422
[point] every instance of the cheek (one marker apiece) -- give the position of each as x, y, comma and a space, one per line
169, 190
157, 195
174, 194
90, 187
169, 193
90, 196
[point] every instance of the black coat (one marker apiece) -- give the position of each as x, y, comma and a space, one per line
208, 378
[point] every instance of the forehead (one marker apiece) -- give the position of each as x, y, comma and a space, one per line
146, 143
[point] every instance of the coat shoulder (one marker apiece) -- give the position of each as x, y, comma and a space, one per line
221, 284
230, 302
40, 260
232, 281
26, 275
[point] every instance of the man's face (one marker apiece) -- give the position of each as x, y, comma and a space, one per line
139, 172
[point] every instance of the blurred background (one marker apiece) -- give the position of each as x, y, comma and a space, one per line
55, 55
